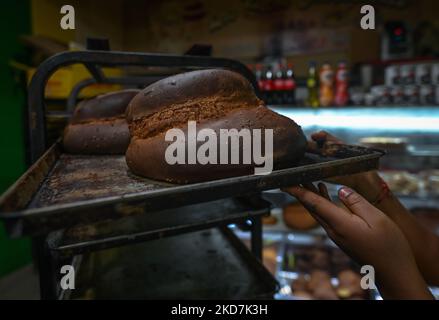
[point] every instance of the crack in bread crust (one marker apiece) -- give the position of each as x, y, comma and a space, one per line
99, 120
178, 115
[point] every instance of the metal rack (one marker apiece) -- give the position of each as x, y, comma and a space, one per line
67, 227
54, 248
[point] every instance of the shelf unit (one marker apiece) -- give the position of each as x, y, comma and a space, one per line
80, 245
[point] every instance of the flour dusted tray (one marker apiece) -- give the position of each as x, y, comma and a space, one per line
62, 190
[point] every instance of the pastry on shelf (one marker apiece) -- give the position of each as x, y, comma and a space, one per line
297, 217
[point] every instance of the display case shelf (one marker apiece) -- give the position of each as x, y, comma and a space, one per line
389, 119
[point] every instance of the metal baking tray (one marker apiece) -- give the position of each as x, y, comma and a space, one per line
159, 224
209, 264
62, 190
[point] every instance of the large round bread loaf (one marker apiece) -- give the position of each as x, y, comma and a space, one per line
215, 99
98, 125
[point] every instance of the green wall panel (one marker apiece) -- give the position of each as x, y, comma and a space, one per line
14, 21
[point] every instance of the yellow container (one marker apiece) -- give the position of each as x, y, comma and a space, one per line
61, 83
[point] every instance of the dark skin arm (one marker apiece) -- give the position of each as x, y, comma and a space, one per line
369, 237
423, 242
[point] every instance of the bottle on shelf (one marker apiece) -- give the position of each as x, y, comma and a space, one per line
341, 85
268, 85
278, 85
326, 94
289, 85
261, 81
311, 84
269, 79
258, 76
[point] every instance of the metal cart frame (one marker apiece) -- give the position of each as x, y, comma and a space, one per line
41, 204
47, 260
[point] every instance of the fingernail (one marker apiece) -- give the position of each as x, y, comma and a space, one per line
345, 192
292, 190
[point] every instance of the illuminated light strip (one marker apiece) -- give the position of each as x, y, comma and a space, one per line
358, 121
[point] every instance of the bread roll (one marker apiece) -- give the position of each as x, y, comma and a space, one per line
319, 278
298, 218
98, 125
320, 286
269, 220
350, 285
216, 100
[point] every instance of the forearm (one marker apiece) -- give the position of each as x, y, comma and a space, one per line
424, 243
405, 283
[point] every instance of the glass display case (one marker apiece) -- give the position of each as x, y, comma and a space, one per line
410, 137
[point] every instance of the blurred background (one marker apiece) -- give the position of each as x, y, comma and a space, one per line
312, 62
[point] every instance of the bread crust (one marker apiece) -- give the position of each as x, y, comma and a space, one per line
215, 99
104, 106
193, 89
97, 137
98, 125
146, 157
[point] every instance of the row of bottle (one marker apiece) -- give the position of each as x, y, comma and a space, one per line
276, 83
326, 88
425, 73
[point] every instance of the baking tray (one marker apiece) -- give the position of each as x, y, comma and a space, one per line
62, 190
159, 224
209, 264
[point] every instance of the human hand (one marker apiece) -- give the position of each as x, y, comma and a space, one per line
369, 237
320, 141
321, 138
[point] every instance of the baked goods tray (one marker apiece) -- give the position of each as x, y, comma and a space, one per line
209, 264
62, 190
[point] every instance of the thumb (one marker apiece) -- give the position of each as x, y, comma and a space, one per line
356, 203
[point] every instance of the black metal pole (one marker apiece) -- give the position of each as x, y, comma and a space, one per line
45, 269
256, 237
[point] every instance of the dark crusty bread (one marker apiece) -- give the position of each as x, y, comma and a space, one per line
97, 137
215, 99
98, 125
185, 90
105, 106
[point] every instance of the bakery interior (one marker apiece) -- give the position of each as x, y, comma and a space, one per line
309, 60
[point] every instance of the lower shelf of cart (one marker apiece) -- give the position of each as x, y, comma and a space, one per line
210, 264
142, 227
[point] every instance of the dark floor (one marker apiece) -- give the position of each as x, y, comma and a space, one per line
20, 285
